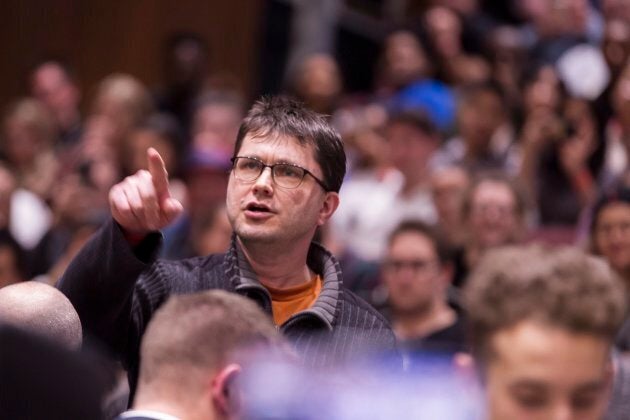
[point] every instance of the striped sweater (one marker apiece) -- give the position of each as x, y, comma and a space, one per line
116, 289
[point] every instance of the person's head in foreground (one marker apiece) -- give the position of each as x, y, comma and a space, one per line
43, 310
542, 323
194, 351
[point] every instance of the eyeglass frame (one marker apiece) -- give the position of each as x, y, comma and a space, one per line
273, 176
417, 265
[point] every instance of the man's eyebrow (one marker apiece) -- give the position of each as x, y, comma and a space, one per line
592, 386
527, 384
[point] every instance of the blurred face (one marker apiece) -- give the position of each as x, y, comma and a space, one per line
447, 189
405, 60
479, 118
21, 142
52, 86
537, 371
616, 45
262, 212
413, 274
493, 219
410, 148
612, 235
543, 93
215, 128
320, 78
444, 29
138, 143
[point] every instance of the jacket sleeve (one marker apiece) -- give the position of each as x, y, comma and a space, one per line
100, 282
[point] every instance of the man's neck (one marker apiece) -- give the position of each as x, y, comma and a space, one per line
161, 407
278, 266
419, 324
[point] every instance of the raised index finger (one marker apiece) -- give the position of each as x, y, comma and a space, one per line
158, 174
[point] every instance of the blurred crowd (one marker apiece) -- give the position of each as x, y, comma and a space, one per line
480, 131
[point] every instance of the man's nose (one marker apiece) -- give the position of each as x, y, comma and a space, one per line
264, 183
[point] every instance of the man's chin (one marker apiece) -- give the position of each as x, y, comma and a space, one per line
256, 236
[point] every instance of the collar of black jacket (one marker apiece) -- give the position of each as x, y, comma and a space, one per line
325, 309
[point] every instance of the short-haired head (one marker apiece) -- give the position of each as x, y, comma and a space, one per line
433, 234
560, 287
520, 199
192, 336
43, 310
34, 116
62, 64
416, 119
283, 116
126, 93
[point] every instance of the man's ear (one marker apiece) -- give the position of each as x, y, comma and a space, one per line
329, 205
465, 366
225, 395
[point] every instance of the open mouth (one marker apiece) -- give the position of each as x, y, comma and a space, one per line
258, 208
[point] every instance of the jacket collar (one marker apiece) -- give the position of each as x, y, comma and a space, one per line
326, 307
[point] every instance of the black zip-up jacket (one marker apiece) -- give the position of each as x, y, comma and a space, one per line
116, 289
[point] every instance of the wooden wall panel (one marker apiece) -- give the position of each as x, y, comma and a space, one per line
102, 36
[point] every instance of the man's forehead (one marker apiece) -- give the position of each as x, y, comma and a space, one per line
278, 142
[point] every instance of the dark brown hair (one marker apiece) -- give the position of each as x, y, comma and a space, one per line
280, 115
433, 234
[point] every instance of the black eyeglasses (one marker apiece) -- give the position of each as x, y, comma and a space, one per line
416, 265
285, 175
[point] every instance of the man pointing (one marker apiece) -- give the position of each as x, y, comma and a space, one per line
288, 166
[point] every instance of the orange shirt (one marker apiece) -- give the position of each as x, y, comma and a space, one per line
286, 302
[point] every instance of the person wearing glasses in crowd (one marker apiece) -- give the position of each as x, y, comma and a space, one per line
288, 167
417, 272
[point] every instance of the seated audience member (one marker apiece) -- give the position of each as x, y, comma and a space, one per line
216, 119
485, 140
417, 273
193, 353
560, 153
317, 82
54, 84
610, 238
446, 30
542, 323
448, 186
412, 141
610, 230
43, 310
493, 213
27, 146
206, 177
123, 102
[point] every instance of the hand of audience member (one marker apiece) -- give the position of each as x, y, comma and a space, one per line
142, 202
